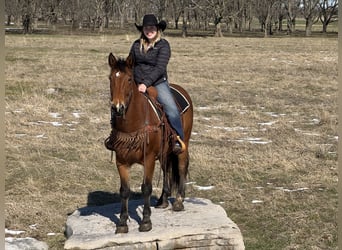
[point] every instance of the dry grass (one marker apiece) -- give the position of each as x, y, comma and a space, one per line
265, 130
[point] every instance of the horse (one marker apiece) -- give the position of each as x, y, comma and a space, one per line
140, 136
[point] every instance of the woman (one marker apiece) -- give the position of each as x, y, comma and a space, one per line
151, 54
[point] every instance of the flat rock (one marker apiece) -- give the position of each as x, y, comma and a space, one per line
24, 244
202, 225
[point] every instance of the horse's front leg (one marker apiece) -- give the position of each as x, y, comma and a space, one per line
123, 169
146, 189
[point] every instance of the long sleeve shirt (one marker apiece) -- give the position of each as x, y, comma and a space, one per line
150, 68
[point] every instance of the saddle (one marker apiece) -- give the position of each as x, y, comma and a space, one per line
168, 133
181, 101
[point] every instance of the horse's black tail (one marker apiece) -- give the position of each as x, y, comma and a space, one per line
179, 174
174, 177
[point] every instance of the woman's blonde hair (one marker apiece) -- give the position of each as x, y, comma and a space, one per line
144, 43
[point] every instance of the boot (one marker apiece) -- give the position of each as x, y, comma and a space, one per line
179, 146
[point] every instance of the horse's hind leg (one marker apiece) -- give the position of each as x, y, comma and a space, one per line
166, 193
146, 189
183, 164
122, 227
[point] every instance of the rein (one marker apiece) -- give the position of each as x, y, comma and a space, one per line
146, 141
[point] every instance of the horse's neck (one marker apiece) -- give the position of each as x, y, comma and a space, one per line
136, 116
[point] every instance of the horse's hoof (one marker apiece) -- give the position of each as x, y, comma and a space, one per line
162, 205
121, 230
145, 227
177, 206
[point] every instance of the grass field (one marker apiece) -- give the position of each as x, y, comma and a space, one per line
264, 135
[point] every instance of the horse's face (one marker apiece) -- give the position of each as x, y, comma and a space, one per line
121, 83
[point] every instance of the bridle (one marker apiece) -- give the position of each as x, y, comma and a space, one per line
127, 101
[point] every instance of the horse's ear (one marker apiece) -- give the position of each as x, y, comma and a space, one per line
112, 61
129, 61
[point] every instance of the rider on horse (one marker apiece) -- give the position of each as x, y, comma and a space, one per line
151, 54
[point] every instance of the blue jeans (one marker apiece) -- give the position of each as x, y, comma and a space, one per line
165, 97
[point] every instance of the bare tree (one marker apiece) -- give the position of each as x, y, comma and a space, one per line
217, 11
176, 11
184, 18
22, 11
107, 9
161, 7
50, 10
248, 14
328, 12
292, 9
120, 8
239, 12
29, 14
13, 10
280, 15
72, 10
218, 8
265, 12
181, 10
203, 12
310, 12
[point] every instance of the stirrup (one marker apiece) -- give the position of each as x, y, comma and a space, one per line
183, 146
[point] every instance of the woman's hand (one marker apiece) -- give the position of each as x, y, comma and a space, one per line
142, 87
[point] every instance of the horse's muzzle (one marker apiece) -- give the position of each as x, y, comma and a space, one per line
118, 110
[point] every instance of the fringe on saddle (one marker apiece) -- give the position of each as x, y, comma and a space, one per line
135, 141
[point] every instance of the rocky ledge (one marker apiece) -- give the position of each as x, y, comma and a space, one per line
202, 225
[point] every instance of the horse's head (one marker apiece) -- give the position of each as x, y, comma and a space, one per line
121, 83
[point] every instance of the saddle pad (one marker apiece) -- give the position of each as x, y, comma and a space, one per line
182, 102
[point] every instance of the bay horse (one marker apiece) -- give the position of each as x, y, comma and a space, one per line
139, 136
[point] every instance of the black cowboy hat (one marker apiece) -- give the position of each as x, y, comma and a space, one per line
151, 20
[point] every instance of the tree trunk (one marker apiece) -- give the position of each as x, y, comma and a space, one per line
325, 27
268, 21
280, 23
122, 21
184, 30
290, 25
75, 24
185, 26
100, 22
308, 26
240, 25
34, 24
18, 20
8, 20
176, 23
248, 24
230, 25
106, 22
218, 31
268, 25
